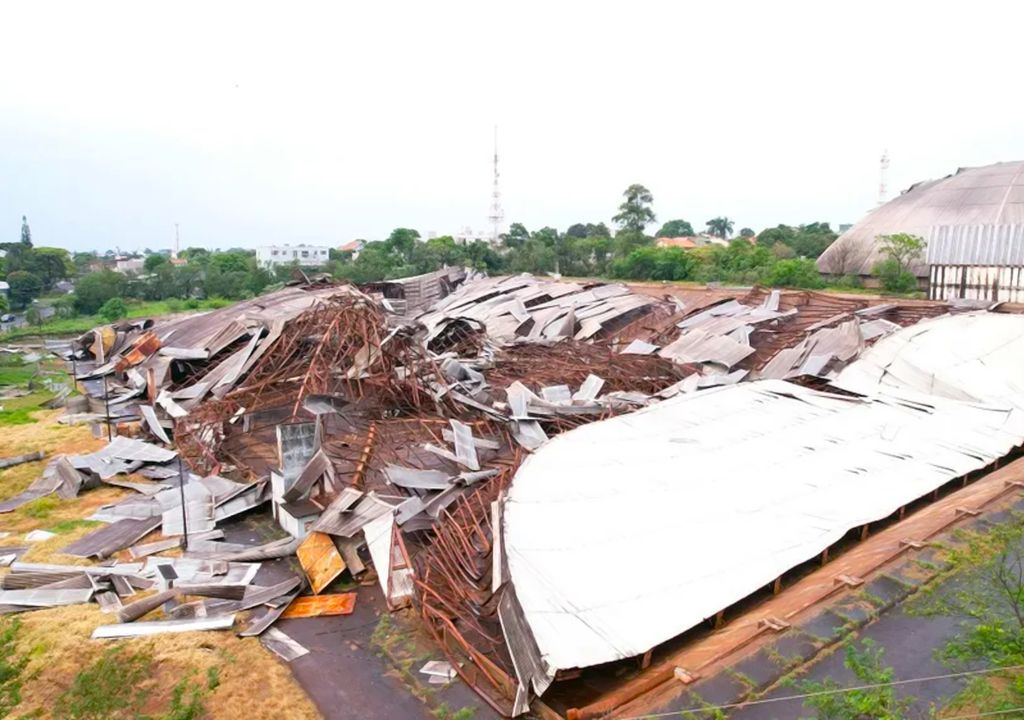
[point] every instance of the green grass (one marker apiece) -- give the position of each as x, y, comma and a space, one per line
84, 323
18, 411
66, 526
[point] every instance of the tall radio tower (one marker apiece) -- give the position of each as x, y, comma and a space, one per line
883, 172
497, 216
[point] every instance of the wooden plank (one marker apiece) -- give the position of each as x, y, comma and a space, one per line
320, 560
321, 606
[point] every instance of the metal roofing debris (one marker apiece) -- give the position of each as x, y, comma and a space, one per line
39, 536
44, 597
282, 645
104, 542
799, 467
321, 606
975, 357
320, 560
157, 627
395, 576
20, 459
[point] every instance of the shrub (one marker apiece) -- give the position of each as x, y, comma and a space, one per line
894, 278
794, 273
113, 309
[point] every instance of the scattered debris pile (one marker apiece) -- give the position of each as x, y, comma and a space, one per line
385, 445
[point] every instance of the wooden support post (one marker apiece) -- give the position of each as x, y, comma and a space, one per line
777, 586
903, 511
645, 660
824, 557
863, 532
719, 619
151, 385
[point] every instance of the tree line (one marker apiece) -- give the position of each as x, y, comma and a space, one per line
783, 255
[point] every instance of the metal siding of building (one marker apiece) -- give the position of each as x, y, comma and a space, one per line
976, 262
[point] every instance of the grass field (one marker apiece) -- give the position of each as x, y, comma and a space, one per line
73, 326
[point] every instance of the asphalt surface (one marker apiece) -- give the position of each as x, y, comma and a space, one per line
343, 674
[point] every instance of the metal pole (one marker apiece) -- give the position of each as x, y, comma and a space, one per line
181, 488
106, 405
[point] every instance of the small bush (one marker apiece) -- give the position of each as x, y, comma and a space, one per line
175, 305
894, 278
113, 309
795, 273
192, 304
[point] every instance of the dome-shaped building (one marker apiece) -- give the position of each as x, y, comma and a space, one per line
974, 208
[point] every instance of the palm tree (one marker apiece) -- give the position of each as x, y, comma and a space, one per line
720, 227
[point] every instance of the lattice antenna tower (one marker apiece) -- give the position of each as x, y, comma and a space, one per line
883, 175
497, 216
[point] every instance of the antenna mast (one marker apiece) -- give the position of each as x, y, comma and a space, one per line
497, 216
883, 172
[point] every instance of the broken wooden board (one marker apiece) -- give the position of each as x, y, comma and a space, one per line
321, 606
320, 560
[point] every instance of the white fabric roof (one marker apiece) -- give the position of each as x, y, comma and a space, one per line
974, 357
624, 533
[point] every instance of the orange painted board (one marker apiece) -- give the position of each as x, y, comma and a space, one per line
321, 605
320, 560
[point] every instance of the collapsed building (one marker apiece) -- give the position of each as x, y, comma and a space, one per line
494, 458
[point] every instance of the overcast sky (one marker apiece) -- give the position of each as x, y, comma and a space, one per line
251, 124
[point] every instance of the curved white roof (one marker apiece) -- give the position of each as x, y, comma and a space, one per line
989, 195
624, 533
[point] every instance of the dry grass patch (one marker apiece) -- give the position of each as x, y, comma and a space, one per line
253, 685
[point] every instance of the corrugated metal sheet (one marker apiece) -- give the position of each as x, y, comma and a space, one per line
999, 245
726, 489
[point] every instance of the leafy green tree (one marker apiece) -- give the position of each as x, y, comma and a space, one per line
82, 260
635, 212
26, 233
783, 251
152, 262
579, 230
4, 305
746, 232
232, 261
402, 241
598, 230
720, 227
902, 248
779, 234
113, 309
878, 702
96, 288
25, 287
794, 273
33, 315
675, 228
50, 264
516, 236
653, 263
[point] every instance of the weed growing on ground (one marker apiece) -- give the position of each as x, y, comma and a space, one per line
866, 663
109, 688
12, 665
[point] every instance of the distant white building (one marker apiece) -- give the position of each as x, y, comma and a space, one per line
127, 265
468, 235
304, 255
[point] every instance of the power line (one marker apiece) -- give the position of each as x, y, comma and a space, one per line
819, 693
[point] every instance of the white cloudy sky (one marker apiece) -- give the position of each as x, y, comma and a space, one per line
285, 122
